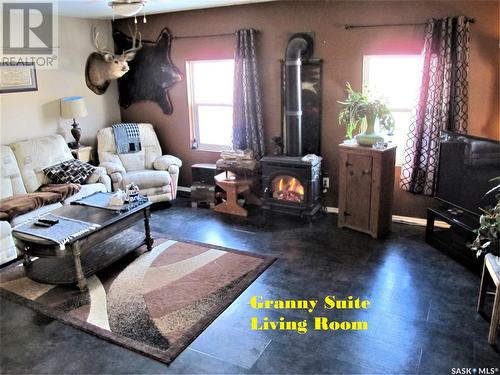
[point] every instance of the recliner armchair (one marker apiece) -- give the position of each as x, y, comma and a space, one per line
155, 174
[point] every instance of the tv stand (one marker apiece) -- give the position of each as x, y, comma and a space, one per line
453, 240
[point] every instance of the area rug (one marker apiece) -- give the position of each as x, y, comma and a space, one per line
155, 303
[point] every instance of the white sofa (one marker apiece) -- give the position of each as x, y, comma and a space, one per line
154, 173
21, 172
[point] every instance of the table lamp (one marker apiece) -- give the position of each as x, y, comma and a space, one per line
74, 107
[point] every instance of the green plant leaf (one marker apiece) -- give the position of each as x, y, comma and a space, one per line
356, 107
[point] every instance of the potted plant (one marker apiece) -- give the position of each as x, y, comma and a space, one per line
488, 233
358, 108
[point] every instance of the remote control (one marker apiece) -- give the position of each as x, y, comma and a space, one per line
41, 224
49, 221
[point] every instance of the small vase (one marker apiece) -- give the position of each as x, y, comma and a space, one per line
369, 137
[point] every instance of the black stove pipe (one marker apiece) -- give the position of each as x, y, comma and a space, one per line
299, 46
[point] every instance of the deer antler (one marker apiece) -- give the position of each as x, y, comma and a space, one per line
95, 36
134, 38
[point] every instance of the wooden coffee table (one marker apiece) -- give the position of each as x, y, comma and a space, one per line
90, 252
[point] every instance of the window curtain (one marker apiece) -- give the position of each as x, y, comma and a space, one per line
248, 125
443, 101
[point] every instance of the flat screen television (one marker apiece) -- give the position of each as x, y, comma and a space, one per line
466, 166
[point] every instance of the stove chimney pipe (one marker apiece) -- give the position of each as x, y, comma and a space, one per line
299, 46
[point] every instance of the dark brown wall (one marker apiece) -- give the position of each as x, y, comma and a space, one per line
342, 51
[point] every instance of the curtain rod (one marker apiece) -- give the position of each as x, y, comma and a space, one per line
202, 36
206, 35
349, 27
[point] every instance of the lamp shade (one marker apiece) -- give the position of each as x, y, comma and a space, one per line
73, 107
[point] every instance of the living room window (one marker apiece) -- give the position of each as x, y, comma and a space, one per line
210, 85
396, 78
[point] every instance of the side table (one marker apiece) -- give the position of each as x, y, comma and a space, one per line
83, 153
491, 269
233, 185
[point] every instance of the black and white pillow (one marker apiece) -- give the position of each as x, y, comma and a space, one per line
69, 171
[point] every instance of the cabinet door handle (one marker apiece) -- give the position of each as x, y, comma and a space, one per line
347, 164
366, 171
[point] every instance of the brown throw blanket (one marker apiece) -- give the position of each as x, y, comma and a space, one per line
24, 203
66, 190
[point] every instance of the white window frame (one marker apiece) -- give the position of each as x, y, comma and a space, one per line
366, 79
193, 109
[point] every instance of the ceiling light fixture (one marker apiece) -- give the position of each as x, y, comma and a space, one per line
128, 8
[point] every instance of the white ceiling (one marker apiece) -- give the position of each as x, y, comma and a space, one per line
99, 8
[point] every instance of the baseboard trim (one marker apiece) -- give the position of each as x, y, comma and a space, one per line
332, 210
409, 220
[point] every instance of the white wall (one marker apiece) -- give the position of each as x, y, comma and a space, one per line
37, 113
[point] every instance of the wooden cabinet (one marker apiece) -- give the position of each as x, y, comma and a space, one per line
366, 188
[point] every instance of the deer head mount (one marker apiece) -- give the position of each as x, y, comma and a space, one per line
103, 66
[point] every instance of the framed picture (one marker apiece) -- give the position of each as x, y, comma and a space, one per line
17, 77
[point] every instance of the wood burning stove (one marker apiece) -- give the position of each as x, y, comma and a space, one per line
291, 184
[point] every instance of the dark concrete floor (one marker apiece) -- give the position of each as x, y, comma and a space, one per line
422, 318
